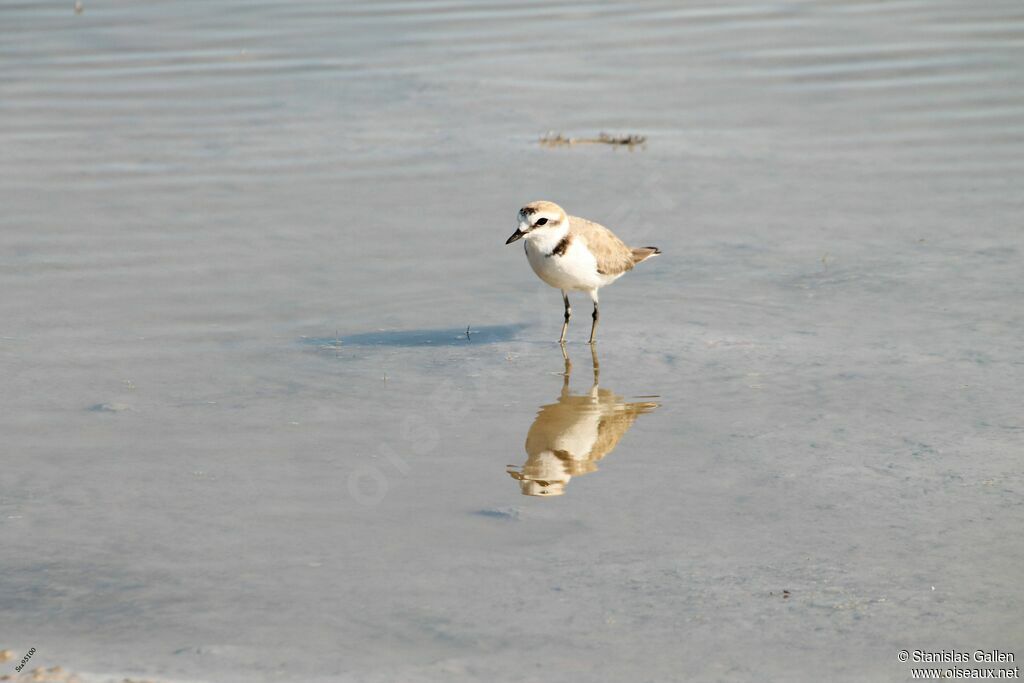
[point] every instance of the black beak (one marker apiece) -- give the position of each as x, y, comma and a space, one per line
517, 235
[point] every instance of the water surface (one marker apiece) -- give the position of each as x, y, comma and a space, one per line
246, 438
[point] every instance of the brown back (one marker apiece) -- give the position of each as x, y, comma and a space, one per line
613, 256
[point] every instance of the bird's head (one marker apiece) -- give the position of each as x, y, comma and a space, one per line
531, 485
538, 218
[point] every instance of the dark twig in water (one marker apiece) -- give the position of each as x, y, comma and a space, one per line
468, 338
559, 140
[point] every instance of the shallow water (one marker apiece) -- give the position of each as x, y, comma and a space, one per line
246, 435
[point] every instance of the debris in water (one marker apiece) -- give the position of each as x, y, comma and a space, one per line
559, 140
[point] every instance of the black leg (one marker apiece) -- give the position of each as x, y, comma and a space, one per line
593, 328
568, 314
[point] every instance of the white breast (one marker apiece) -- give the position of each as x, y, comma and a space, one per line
575, 269
578, 437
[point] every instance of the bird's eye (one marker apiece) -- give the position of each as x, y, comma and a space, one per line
542, 221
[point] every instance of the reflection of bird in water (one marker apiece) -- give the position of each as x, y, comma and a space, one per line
570, 436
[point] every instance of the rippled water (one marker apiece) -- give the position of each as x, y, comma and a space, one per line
245, 436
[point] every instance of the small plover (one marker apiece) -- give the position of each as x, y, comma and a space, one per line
569, 437
572, 253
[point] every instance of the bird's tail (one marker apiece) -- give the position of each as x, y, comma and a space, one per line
644, 253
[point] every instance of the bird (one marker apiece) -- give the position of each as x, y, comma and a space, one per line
574, 254
570, 436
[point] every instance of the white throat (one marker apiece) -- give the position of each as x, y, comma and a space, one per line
545, 240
